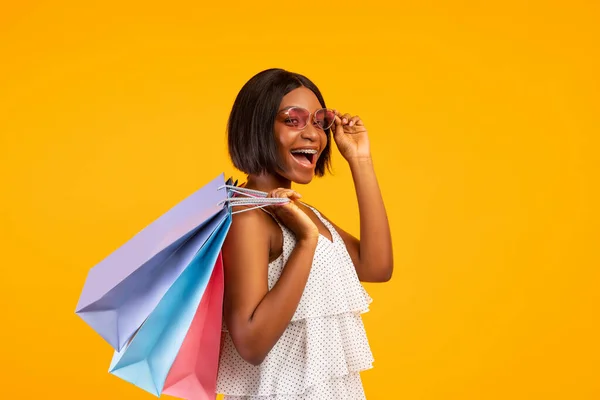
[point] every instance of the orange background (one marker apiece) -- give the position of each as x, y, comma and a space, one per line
484, 125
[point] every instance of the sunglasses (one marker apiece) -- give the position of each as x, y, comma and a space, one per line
298, 117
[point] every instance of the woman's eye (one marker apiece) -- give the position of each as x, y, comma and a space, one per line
291, 121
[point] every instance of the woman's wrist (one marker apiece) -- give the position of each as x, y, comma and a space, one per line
308, 242
360, 163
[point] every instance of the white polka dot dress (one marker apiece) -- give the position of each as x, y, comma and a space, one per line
324, 348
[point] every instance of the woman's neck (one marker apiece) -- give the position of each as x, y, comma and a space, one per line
267, 182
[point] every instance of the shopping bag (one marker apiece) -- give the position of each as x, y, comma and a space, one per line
122, 290
193, 375
146, 360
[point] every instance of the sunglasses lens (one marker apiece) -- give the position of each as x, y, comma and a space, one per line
325, 118
297, 117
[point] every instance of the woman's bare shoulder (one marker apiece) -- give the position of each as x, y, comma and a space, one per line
248, 223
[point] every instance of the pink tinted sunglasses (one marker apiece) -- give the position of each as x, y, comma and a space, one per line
298, 117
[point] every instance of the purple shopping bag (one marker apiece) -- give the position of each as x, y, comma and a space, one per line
122, 290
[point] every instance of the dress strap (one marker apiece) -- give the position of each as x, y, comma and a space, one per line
284, 228
321, 217
271, 214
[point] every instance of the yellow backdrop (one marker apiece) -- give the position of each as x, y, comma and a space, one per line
484, 126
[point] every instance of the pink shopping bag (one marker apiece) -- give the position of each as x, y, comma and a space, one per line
193, 375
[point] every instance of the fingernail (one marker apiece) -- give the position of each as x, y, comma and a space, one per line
351, 123
345, 120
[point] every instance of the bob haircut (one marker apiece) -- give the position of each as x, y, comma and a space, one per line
250, 134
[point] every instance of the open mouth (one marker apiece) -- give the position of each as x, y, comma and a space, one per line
306, 157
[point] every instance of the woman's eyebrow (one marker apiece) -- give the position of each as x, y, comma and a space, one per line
295, 106
286, 108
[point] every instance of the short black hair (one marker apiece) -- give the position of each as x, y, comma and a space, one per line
250, 135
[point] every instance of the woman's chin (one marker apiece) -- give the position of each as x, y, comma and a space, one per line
303, 181
304, 178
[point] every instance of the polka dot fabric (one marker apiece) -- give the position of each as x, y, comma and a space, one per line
346, 387
323, 349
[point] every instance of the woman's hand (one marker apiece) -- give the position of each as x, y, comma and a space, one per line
292, 216
351, 137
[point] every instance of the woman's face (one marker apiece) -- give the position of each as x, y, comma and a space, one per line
298, 149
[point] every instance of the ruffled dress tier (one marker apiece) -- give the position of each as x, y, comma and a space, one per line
324, 348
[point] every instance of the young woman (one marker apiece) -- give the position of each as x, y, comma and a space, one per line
293, 297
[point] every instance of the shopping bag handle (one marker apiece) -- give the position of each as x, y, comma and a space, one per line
248, 197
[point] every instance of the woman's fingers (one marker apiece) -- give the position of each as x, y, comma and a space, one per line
347, 119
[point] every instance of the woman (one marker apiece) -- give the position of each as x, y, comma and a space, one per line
293, 298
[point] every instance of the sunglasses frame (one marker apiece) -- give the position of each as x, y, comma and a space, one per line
311, 116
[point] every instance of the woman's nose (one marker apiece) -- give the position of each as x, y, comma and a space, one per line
310, 132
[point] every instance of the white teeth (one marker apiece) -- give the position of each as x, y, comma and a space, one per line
306, 151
